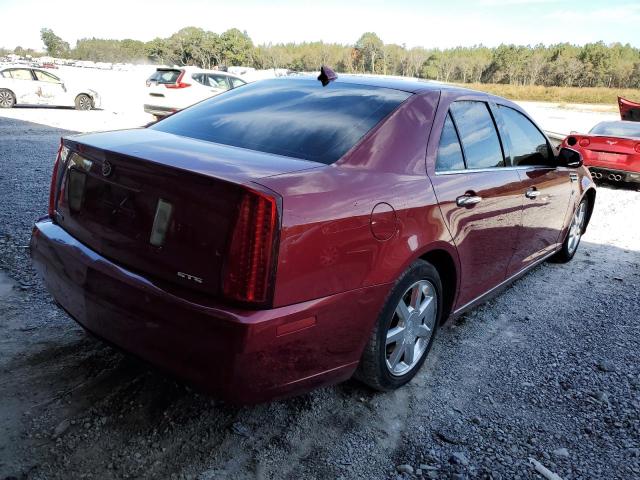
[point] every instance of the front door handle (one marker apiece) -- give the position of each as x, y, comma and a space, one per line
468, 200
532, 194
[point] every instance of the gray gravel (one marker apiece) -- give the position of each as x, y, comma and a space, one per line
546, 371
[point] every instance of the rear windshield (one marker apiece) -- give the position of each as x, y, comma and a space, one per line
617, 129
165, 76
297, 118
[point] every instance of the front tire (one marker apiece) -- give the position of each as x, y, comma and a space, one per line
84, 102
574, 235
7, 98
405, 330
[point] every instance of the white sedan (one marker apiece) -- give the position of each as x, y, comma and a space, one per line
20, 85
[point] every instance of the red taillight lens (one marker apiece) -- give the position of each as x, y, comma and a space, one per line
584, 142
638, 147
177, 85
54, 183
251, 255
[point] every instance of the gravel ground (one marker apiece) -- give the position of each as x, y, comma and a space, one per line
546, 371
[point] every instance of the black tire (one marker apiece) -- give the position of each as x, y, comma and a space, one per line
374, 370
84, 102
569, 249
7, 98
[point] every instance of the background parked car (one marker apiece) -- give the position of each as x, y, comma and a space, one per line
21, 85
611, 150
172, 89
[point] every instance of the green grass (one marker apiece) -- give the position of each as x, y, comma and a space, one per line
536, 93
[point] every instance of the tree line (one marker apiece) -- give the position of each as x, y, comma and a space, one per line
590, 65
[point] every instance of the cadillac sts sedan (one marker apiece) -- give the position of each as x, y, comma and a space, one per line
293, 233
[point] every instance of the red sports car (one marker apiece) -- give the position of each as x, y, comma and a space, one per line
290, 233
611, 150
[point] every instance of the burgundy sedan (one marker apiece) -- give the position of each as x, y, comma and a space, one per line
287, 235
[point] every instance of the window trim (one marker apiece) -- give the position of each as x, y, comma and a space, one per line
455, 130
464, 155
509, 141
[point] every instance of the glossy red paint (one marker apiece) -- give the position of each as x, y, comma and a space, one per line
346, 232
607, 156
629, 110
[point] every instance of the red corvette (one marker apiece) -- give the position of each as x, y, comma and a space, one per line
611, 150
290, 233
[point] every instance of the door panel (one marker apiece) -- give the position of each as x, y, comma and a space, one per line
485, 233
547, 194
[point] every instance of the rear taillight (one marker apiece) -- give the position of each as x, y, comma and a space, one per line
584, 142
251, 255
177, 85
637, 147
53, 190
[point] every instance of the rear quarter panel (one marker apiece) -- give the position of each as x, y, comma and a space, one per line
327, 244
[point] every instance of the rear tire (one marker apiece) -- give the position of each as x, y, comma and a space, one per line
7, 98
84, 102
403, 335
574, 235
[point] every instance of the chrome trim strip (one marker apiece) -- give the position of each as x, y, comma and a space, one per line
493, 169
504, 282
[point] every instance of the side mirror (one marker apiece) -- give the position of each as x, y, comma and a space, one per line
570, 158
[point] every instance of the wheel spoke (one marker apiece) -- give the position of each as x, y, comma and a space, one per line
395, 335
402, 311
396, 355
426, 308
409, 352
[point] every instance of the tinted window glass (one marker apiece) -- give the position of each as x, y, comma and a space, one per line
165, 76
478, 134
449, 151
236, 82
528, 146
297, 118
46, 77
617, 129
200, 78
218, 81
20, 74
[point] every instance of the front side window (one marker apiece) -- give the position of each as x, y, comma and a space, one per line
46, 77
297, 118
478, 134
449, 151
528, 146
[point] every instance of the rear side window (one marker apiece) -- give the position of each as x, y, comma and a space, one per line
45, 77
478, 134
297, 118
217, 81
165, 76
527, 145
18, 74
236, 82
449, 151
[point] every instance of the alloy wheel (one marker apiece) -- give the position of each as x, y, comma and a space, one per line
6, 99
411, 327
577, 225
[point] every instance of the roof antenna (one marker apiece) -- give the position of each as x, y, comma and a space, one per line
326, 75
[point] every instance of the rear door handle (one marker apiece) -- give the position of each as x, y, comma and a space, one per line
532, 193
573, 177
468, 200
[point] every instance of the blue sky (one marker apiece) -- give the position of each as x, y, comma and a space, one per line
414, 23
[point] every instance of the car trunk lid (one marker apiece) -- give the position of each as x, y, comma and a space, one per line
160, 204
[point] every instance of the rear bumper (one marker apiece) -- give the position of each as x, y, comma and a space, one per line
605, 173
240, 355
159, 111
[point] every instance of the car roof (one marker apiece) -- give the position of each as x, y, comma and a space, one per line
192, 69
